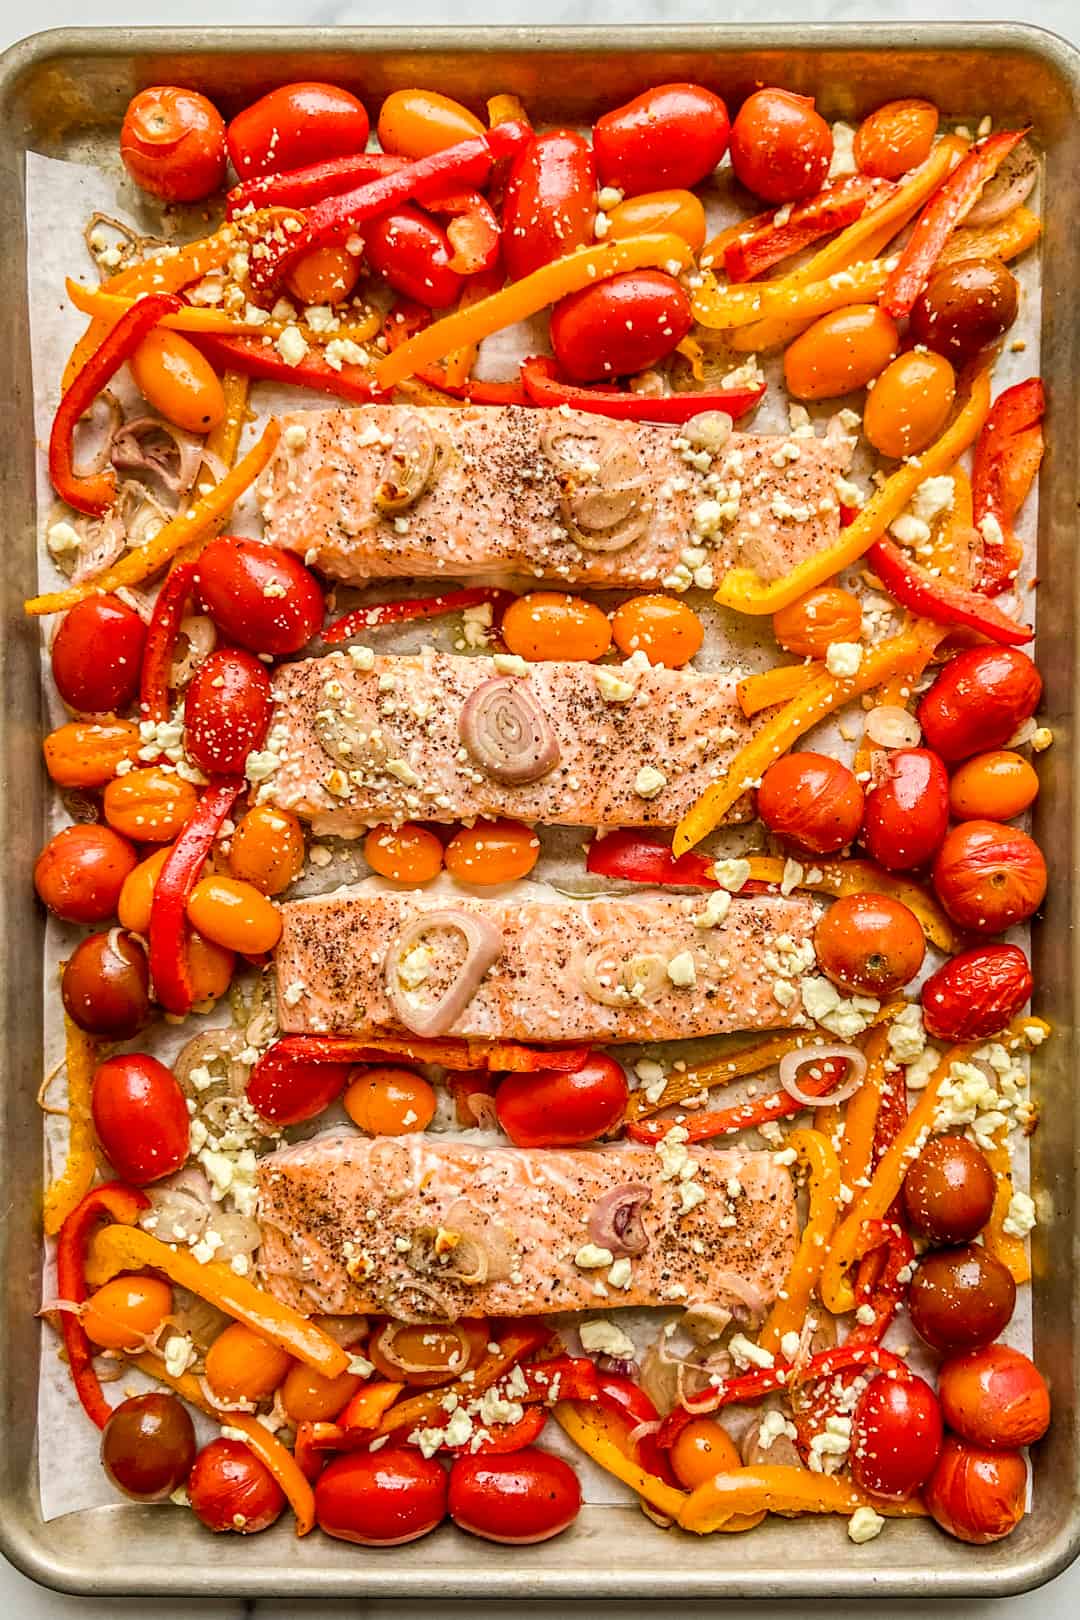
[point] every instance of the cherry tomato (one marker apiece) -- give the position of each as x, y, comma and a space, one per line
81, 871
415, 123
389, 1101
547, 625
550, 202
412, 252
106, 986
977, 1496
260, 596
672, 135
312, 1397
267, 848
869, 943
909, 403
989, 877
148, 1446
964, 307
994, 1397
124, 1312
549, 1108
408, 854
896, 138
677, 212
810, 625
137, 894
97, 655
326, 275
289, 1092
492, 852
781, 147
421, 1354
178, 381
150, 805
622, 325
976, 993
993, 787
895, 1436
172, 143
381, 1498
234, 914
230, 1489
703, 1448
210, 968
243, 1366
811, 801
960, 1298
978, 700
907, 810
141, 1118
86, 754
295, 125
226, 711
840, 352
518, 1499
948, 1192
663, 628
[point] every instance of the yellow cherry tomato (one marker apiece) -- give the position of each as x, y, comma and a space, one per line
678, 212
547, 625
408, 854
137, 894
663, 628
234, 914
149, 805
311, 1397
822, 616
178, 381
390, 1101
267, 848
243, 1366
704, 1448
326, 275
909, 404
123, 1313
993, 787
492, 852
840, 352
210, 967
896, 138
415, 123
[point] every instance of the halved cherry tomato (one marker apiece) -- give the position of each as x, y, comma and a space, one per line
81, 872
550, 202
978, 700
548, 625
492, 852
389, 1101
289, 1092
267, 848
812, 801
408, 854
141, 1117
619, 326
326, 275
896, 1435
840, 352
976, 993
124, 1312
423, 1354
672, 135
210, 968
178, 380
97, 655
150, 805
234, 914
703, 1448
412, 253
989, 877
226, 711
553, 1109
296, 125
896, 138
137, 894
993, 787
663, 628
810, 625
907, 810
172, 143
381, 1498
243, 1366
994, 1397
961, 1298
106, 985
978, 1496
86, 754
909, 403
518, 1499
229, 1488
415, 123
869, 943
780, 146
679, 212
259, 596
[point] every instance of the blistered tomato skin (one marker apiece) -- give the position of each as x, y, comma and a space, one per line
989, 877
141, 1118
550, 203
412, 253
976, 993
993, 787
673, 135
960, 1298
226, 711
977, 1495
780, 146
415, 123
547, 625
97, 655
260, 596
895, 138
907, 810
81, 871
229, 1488
177, 380
173, 143
909, 404
979, 699
948, 1192
550, 1108
896, 1437
296, 125
869, 944
382, 1498
812, 801
840, 352
518, 1499
994, 1397
620, 326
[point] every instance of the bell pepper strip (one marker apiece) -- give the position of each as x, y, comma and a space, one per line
179, 875
160, 646
1007, 457
529, 296
580, 1425
1004, 1246
115, 1202
366, 1408
786, 1490
313, 1440
843, 878
935, 599
362, 619
737, 310
543, 386
473, 231
506, 109
630, 855
818, 1158
764, 240
301, 188
197, 320
943, 212
459, 365
879, 1285
750, 1115
496, 1439
520, 1339
1006, 239
67, 1189
504, 1057
777, 685
749, 1060
628, 1402
262, 362
861, 1112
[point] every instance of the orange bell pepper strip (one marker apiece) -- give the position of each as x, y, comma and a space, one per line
748, 1060
108, 307
1006, 239
575, 1421
863, 1106
129, 1248
506, 109
520, 1339
843, 878
779, 1489
369, 1404
773, 686
818, 1158
1004, 1246
1007, 458
71, 1185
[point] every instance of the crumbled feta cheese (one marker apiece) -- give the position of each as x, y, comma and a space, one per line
621, 1273
732, 874
591, 1257
681, 970
910, 530
865, 1315
843, 152
906, 1038
179, 1354
62, 538
344, 352
612, 684
714, 911
745, 1353
841, 1017
843, 659
920, 1073
789, 1345
362, 658
864, 1525
510, 664
649, 782
415, 968
990, 529
295, 436
1021, 1215
1041, 739
601, 1337
691, 1194
933, 496
291, 345
793, 874
772, 1426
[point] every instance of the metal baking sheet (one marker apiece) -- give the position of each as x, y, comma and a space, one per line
63, 94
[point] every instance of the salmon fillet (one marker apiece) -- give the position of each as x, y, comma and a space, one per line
351, 746
399, 1226
637, 967
556, 494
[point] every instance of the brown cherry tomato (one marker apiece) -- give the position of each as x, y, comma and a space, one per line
229, 1488
811, 801
547, 625
106, 986
993, 787
840, 352
909, 403
896, 138
408, 854
492, 852
977, 1496
87, 753
989, 877
259, 596
907, 810
978, 700
124, 1312
178, 381
948, 1192
781, 147
672, 135
210, 968
663, 628
703, 1448
811, 624
622, 325
550, 203
243, 1366
150, 805
387, 1101
964, 307
97, 655
896, 1435
976, 993
550, 1108
267, 848
81, 871
994, 1397
381, 1498
312, 1397
679, 212
295, 125
141, 1118
148, 1446
326, 275
412, 253
960, 1298
226, 711
869, 943
234, 914
172, 143
415, 123
519, 1498
137, 894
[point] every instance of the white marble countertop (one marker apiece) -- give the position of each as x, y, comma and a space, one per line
19, 1597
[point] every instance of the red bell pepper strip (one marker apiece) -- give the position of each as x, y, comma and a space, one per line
878, 1284
94, 493
762, 242
180, 873
561, 1378
1007, 456
313, 1441
253, 357
300, 188
940, 217
501, 1057
496, 1439
626, 854
940, 601
474, 232
748, 1115
161, 639
543, 386
629, 1402
416, 607
112, 1201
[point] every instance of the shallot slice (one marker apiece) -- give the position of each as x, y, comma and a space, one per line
891, 726
792, 1062
615, 1221
507, 733
484, 944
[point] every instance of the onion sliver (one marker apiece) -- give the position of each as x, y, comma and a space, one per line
614, 980
615, 1220
792, 1062
484, 944
1007, 189
891, 726
507, 733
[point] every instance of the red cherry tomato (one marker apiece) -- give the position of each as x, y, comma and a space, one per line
896, 1436
869, 944
521, 1498
259, 596
948, 1193
226, 711
550, 1108
296, 125
989, 877
172, 143
780, 147
621, 325
550, 202
811, 801
97, 655
976, 1495
976, 993
907, 811
978, 700
289, 1092
381, 1498
994, 1397
673, 135
230, 1489
80, 872
412, 252
141, 1117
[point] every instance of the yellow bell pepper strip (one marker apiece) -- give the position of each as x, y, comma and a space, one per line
860, 1117
109, 307
129, 1248
843, 878
748, 1060
780, 1489
506, 109
1004, 1246
818, 1158
197, 523
1006, 239
526, 297
71, 1185
223, 441
745, 592
777, 685
575, 1422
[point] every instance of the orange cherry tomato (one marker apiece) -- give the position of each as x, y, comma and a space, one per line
267, 848
149, 805
703, 1448
896, 138
172, 143
123, 1313
81, 872
137, 894
678, 212
547, 625
812, 801
389, 1101
311, 1397
408, 854
869, 944
326, 275
415, 123
663, 628
909, 403
423, 1354
781, 146
243, 1366
994, 1396
840, 352
492, 852
993, 787
810, 625
178, 381
989, 877
234, 914
210, 967
977, 1495
86, 754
